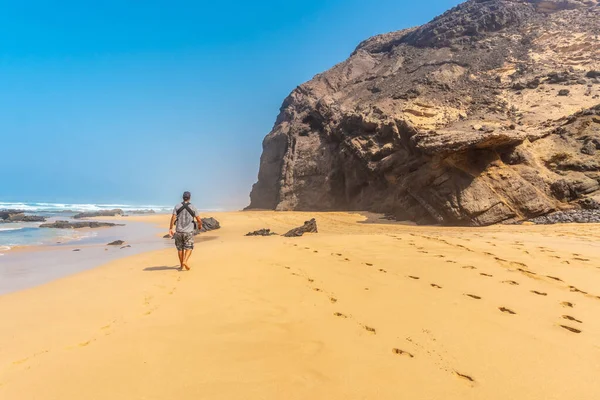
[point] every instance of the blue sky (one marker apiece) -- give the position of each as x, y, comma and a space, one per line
135, 101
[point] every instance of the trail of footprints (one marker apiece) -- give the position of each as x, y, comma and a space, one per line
107, 329
520, 267
371, 330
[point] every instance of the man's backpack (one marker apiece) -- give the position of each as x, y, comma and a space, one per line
185, 206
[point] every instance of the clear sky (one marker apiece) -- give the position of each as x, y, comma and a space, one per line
135, 101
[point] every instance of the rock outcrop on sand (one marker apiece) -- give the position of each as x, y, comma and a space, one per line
208, 224
489, 113
103, 213
308, 227
78, 225
261, 232
116, 243
19, 216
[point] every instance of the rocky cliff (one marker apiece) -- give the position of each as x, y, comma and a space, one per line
489, 113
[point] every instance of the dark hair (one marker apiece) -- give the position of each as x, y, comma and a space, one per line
187, 195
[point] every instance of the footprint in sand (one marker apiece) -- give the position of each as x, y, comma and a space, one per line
382, 270
571, 329
506, 310
518, 264
572, 318
338, 314
310, 280
402, 353
581, 259
469, 267
539, 293
413, 277
435, 286
368, 264
567, 304
525, 271
369, 329
451, 261
317, 289
464, 376
574, 289
511, 282
554, 277
333, 299
473, 296
484, 274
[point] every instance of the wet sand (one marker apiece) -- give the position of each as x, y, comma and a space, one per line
28, 266
358, 311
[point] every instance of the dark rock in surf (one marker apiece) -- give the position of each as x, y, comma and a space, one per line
78, 225
103, 213
116, 243
19, 216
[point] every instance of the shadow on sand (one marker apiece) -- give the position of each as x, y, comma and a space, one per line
163, 268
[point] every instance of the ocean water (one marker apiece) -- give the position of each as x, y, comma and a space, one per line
29, 233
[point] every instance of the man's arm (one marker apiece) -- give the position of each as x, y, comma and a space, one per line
173, 218
199, 220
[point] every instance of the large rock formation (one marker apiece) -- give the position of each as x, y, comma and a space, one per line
489, 113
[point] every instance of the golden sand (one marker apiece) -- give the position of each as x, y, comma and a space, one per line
358, 311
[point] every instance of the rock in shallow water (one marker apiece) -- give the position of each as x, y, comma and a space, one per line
78, 225
116, 243
103, 213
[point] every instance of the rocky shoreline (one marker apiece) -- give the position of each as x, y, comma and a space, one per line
78, 225
8, 216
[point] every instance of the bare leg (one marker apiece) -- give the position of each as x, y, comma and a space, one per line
181, 255
186, 257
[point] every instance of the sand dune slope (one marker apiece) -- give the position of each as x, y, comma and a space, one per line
358, 311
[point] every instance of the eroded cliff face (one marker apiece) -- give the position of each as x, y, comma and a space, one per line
489, 113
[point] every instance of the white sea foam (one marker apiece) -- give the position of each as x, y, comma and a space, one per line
10, 229
78, 207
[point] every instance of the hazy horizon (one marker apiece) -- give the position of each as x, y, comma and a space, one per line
123, 103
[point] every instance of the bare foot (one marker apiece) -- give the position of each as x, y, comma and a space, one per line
186, 267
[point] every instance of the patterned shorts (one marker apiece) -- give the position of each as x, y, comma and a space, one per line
184, 241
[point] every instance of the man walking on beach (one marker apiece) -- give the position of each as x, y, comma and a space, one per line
183, 217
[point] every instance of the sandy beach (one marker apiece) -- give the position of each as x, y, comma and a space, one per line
360, 310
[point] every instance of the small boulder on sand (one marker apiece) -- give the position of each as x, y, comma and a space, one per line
308, 227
